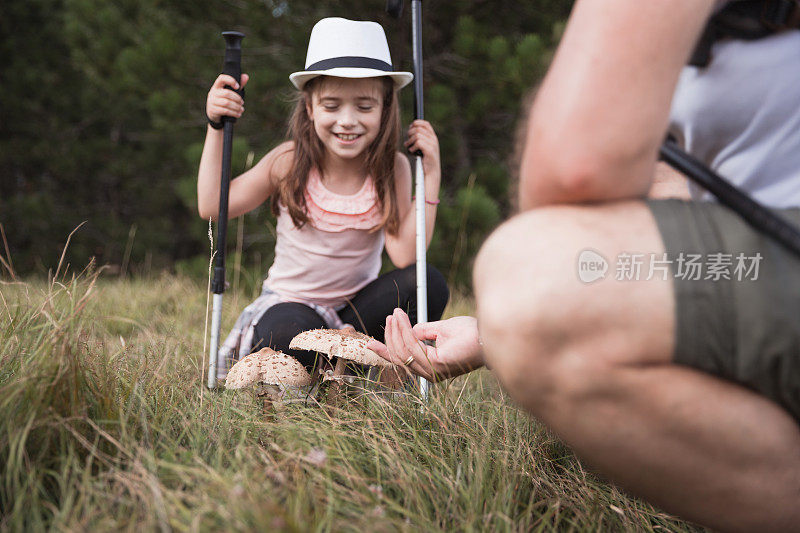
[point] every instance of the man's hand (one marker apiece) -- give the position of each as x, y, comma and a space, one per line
456, 348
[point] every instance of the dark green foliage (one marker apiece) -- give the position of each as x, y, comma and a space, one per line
102, 116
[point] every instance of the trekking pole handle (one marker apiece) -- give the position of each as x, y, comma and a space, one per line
233, 67
416, 48
233, 62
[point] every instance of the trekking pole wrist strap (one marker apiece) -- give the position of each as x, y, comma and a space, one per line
215, 125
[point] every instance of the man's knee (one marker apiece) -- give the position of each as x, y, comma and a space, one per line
525, 275
525, 294
547, 333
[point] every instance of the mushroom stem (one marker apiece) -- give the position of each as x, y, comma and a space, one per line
340, 368
335, 388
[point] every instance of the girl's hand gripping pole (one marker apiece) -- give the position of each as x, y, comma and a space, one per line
232, 67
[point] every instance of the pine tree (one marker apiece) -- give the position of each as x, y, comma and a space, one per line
103, 116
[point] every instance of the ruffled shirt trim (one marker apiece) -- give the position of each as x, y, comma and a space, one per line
329, 211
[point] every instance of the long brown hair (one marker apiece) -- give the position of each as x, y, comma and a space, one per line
309, 152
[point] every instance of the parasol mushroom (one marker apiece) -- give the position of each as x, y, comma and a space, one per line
342, 344
269, 367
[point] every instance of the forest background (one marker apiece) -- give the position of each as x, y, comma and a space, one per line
102, 120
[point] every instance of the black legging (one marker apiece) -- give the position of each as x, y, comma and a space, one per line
367, 311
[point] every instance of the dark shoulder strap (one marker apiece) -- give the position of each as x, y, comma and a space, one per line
746, 19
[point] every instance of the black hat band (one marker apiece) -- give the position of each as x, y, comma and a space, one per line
350, 62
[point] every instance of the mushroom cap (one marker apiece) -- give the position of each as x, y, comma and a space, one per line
244, 373
267, 366
277, 368
350, 345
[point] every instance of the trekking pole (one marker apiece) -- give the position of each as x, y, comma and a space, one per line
419, 178
232, 67
756, 214
395, 8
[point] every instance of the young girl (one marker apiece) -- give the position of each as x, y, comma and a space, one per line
341, 193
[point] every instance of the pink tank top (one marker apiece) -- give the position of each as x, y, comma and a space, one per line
334, 255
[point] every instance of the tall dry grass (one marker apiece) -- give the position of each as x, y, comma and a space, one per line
105, 426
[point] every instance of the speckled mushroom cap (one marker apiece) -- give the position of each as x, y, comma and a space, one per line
244, 373
277, 368
349, 345
267, 366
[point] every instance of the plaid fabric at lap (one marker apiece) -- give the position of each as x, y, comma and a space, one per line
239, 341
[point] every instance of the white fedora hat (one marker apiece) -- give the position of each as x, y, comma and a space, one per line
348, 49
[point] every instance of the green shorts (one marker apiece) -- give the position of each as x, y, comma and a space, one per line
737, 296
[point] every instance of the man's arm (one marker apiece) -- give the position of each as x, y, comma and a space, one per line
668, 183
602, 110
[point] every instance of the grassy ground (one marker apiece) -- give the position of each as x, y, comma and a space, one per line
105, 425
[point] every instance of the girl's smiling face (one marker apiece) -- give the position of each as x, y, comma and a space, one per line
347, 114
